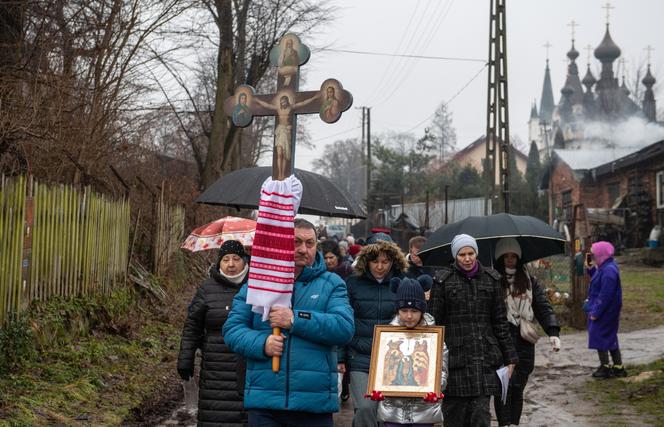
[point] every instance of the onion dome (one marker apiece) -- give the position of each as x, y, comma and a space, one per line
589, 80
623, 87
573, 53
566, 91
648, 79
607, 51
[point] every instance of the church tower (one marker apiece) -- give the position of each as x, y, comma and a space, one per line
534, 125
649, 105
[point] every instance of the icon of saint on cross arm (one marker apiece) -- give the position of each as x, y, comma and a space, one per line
241, 112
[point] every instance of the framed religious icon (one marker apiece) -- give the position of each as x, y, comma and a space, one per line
406, 362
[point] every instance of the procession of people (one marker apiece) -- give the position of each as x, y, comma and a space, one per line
421, 335
328, 332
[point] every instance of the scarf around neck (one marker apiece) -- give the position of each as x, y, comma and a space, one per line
470, 273
236, 279
519, 306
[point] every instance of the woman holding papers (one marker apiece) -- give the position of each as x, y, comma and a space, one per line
525, 302
467, 300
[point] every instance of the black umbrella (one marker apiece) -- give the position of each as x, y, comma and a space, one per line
536, 238
320, 196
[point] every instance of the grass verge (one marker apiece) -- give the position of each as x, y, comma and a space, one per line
98, 361
642, 391
642, 286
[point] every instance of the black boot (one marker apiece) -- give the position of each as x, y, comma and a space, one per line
604, 371
618, 371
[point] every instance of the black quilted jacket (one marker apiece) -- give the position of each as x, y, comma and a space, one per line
222, 371
476, 329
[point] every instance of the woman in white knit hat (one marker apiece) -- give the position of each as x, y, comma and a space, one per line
525, 302
468, 301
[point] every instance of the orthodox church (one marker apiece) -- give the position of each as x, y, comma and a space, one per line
585, 104
604, 151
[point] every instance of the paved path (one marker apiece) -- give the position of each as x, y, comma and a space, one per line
550, 397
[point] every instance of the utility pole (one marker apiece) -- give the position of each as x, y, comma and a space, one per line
366, 134
497, 123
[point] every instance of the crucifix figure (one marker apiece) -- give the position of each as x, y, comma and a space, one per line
329, 102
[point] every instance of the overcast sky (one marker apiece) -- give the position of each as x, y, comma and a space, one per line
404, 93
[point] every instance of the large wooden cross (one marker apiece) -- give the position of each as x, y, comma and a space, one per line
329, 102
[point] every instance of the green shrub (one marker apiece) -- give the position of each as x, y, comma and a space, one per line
17, 345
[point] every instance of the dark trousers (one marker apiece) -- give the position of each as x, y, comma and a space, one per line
615, 356
467, 411
510, 412
274, 418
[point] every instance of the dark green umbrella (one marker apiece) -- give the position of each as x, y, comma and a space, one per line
536, 238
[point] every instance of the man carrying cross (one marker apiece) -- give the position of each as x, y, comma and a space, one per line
291, 378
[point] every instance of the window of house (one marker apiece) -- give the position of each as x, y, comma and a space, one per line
567, 205
613, 190
660, 190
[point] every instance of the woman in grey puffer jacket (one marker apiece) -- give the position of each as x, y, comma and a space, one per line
411, 306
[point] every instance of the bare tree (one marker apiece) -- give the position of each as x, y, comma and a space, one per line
244, 33
79, 75
443, 133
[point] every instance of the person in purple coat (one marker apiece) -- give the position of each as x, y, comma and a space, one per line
603, 307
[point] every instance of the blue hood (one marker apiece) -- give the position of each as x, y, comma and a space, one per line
311, 272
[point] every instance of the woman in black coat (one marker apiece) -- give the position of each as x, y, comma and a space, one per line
221, 384
524, 299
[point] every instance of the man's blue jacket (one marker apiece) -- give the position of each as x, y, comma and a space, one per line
307, 377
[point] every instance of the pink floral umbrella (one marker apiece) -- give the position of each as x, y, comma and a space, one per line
213, 234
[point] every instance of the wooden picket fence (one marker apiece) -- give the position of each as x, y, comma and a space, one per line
56, 240
169, 230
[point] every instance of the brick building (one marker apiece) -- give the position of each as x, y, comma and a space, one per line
628, 188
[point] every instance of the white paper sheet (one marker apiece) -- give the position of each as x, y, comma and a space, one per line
503, 374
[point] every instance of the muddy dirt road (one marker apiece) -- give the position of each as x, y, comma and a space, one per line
550, 396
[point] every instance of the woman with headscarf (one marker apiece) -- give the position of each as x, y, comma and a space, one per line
525, 302
373, 304
603, 308
221, 384
468, 300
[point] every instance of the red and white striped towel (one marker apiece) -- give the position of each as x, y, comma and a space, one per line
272, 268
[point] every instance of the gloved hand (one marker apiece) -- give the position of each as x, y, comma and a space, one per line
555, 343
185, 373
432, 397
375, 395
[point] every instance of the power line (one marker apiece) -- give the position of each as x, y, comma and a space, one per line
395, 73
424, 42
452, 98
442, 58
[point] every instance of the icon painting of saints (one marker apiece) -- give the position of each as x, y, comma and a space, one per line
241, 112
392, 359
421, 362
330, 107
288, 56
405, 373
